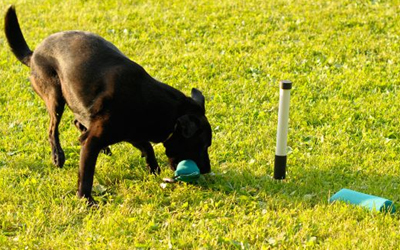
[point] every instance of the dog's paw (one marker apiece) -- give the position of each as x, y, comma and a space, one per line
91, 202
154, 170
58, 158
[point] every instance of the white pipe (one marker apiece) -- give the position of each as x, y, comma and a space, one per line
283, 122
282, 132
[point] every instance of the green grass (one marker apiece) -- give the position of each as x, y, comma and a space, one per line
343, 58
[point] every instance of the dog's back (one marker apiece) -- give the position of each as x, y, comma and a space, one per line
84, 64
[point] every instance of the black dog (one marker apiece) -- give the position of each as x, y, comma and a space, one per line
113, 100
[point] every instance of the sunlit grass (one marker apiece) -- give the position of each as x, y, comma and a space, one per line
343, 59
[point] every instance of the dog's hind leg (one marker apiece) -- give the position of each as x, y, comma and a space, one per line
83, 129
55, 106
47, 85
148, 152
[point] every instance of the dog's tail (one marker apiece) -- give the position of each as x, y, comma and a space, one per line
15, 38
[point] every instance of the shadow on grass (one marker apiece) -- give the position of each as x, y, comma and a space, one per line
310, 187
307, 187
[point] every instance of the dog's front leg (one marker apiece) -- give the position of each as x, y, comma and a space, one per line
148, 152
83, 129
88, 157
92, 142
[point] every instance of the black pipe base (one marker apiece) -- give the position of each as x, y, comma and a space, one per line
280, 167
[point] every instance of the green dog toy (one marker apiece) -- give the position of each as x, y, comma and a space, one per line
368, 201
186, 171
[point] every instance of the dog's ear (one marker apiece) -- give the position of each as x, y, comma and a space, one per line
187, 125
198, 97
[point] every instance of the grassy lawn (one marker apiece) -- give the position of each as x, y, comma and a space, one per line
343, 58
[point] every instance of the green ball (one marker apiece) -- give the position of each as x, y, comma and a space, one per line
187, 171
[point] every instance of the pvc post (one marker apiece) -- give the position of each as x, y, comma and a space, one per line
281, 137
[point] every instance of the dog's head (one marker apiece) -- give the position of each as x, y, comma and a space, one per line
191, 138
